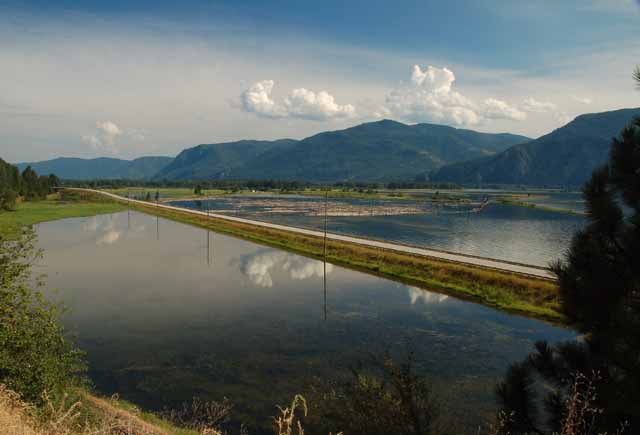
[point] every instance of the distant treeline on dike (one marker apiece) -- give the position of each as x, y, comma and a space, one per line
283, 185
27, 185
293, 185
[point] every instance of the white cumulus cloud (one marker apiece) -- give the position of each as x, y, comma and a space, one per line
105, 137
109, 138
299, 103
257, 99
583, 100
430, 97
562, 118
109, 128
498, 109
303, 103
532, 105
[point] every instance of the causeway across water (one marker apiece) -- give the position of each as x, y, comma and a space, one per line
488, 263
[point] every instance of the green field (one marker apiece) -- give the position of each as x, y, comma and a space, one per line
53, 208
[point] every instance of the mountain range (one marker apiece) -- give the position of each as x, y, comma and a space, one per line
72, 168
375, 151
380, 151
218, 161
566, 156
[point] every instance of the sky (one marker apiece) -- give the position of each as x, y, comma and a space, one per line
132, 78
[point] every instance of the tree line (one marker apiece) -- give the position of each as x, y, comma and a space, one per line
27, 185
284, 185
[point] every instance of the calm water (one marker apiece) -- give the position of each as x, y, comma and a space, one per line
500, 231
163, 318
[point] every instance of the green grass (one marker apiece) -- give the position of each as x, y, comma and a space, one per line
539, 207
30, 213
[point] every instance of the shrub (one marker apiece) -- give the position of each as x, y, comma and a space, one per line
8, 198
391, 399
35, 356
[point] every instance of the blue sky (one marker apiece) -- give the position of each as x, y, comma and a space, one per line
131, 78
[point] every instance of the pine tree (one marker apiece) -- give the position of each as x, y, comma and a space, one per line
599, 281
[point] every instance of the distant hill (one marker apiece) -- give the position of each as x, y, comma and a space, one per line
380, 150
566, 156
215, 161
72, 168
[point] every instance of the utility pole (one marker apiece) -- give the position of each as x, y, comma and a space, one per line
326, 206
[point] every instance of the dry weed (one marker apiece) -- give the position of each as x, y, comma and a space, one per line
286, 422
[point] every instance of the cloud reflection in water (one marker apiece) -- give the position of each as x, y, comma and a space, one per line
426, 297
107, 229
260, 266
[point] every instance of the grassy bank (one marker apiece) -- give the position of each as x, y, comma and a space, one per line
509, 292
53, 208
539, 207
84, 414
